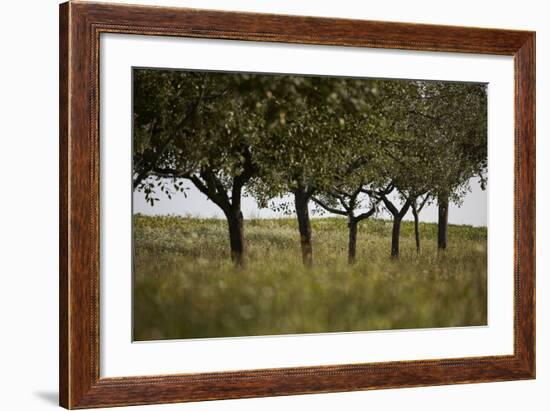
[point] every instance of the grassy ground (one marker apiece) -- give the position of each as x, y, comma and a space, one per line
186, 287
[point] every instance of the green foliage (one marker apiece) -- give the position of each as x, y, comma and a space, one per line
345, 143
315, 127
194, 126
186, 288
310, 131
435, 136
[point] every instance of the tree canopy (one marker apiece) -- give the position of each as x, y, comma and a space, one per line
349, 146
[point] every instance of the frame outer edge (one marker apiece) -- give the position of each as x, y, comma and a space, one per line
77, 179
80, 385
526, 178
64, 352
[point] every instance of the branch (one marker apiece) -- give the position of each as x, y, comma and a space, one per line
424, 201
203, 188
199, 184
343, 203
216, 190
310, 190
167, 173
378, 193
356, 192
381, 195
139, 178
405, 208
389, 205
414, 210
337, 195
367, 214
159, 172
164, 146
389, 188
249, 169
327, 207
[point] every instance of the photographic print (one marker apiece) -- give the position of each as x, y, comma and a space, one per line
256, 204
272, 204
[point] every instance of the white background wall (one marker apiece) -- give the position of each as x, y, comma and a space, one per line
29, 218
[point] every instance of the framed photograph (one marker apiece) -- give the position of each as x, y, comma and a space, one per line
258, 205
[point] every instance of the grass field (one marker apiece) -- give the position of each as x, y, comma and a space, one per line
186, 287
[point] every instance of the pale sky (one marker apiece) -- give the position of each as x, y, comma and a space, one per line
473, 211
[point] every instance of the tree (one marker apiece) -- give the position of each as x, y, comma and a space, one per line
436, 141
416, 206
346, 203
164, 103
455, 117
355, 168
308, 141
403, 154
197, 127
327, 140
289, 165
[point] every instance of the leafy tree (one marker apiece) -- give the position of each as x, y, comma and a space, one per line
347, 203
164, 104
196, 127
455, 118
403, 157
309, 142
357, 168
345, 144
435, 142
289, 164
416, 206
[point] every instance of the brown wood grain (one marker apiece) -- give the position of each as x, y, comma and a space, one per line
63, 206
80, 27
524, 202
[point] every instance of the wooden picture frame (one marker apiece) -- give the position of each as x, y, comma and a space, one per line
80, 27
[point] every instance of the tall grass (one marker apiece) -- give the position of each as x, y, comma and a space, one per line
186, 287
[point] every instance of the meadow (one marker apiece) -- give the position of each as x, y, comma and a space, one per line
185, 285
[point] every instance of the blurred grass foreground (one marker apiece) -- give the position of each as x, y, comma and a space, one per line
185, 285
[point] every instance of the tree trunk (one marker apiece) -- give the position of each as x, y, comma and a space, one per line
395, 237
416, 230
301, 201
443, 218
352, 244
236, 236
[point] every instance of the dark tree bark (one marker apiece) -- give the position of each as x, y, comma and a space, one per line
353, 221
209, 183
301, 202
352, 243
236, 236
442, 223
396, 230
416, 228
416, 209
398, 215
348, 202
